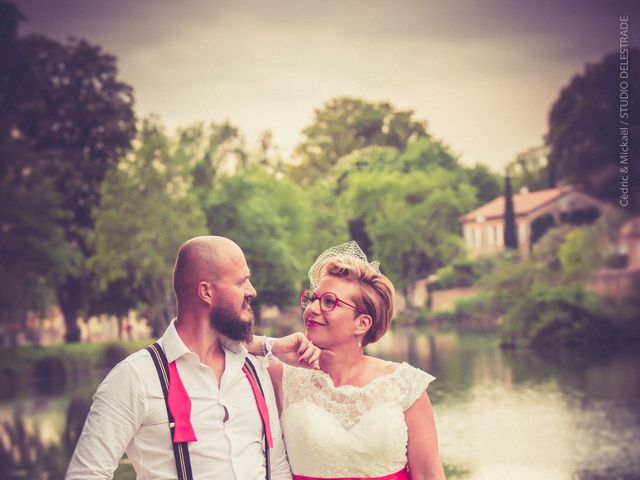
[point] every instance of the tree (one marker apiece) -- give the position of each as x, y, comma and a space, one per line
529, 169
411, 219
510, 232
146, 212
345, 124
66, 121
269, 220
211, 150
34, 254
487, 183
585, 135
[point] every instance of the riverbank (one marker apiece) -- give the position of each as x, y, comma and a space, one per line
52, 368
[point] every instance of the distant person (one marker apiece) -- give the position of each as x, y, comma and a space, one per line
358, 416
217, 418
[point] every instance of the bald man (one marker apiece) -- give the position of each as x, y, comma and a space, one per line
224, 425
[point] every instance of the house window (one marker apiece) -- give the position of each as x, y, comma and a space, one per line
468, 233
522, 233
477, 237
491, 238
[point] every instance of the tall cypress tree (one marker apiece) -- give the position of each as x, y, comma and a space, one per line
510, 233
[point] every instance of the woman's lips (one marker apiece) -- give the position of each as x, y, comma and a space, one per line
311, 323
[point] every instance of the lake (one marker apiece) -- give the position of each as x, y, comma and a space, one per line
501, 414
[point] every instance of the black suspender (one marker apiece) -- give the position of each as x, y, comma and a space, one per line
181, 449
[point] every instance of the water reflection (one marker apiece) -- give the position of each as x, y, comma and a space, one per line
518, 415
500, 414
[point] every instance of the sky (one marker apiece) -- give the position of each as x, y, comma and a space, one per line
482, 73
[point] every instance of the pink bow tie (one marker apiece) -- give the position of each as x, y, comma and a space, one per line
180, 406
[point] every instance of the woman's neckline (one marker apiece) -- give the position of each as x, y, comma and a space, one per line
348, 386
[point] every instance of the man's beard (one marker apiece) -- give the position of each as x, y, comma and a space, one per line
227, 322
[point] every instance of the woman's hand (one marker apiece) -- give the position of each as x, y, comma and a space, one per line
297, 350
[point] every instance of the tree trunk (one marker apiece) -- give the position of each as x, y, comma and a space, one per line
69, 296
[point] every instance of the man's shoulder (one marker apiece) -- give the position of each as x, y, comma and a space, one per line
138, 363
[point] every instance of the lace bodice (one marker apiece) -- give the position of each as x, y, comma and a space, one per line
348, 431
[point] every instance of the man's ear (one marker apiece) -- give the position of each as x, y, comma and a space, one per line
363, 324
205, 292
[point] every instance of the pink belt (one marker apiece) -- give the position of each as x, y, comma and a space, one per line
401, 475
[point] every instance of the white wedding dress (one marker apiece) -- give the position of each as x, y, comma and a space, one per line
348, 431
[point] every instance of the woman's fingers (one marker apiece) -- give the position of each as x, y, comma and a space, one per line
309, 354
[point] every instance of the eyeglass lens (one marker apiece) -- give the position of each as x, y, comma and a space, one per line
328, 300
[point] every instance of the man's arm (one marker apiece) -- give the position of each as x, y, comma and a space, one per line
115, 416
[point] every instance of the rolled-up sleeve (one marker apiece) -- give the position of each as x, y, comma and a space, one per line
115, 416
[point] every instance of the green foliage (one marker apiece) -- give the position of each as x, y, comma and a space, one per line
462, 272
209, 151
410, 219
529, 169
34, 255
487, 184
270, 221
545, 251
426, 154
147, 211
346, 124
581, 133
588, 248
327, 220
477, 312
556, 316
575, 255
65, 120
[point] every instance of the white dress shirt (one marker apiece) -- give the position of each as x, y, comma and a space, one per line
129, 414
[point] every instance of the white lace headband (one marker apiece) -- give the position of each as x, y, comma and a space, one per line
350, 251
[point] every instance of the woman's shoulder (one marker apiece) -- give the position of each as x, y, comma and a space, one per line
381, 368
403, 381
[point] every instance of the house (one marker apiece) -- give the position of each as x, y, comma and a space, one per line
535, 213
625, 281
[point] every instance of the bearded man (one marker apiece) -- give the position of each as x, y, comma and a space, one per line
195, 404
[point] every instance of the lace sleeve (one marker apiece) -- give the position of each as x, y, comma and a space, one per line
413, 383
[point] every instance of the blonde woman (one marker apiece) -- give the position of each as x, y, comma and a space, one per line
357, 416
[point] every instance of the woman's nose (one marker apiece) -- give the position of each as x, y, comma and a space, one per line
315, 306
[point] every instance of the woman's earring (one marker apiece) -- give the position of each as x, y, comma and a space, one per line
359, 342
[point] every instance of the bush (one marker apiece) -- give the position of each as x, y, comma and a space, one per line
462, 273
50, 374
550, 317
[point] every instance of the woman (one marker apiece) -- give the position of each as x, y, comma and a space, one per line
358, 416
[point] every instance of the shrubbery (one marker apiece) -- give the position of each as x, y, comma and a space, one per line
557, 316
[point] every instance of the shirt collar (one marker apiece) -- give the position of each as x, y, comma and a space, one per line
174, 347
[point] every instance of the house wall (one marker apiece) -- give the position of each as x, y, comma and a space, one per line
614, 283
486, 237
445, 300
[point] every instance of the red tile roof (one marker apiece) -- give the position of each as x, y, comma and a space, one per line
522, 203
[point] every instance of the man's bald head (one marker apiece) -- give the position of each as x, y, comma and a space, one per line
201, 259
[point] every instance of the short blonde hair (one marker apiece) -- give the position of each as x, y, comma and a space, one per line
376, 293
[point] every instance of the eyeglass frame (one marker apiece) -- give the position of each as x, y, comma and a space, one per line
315, 297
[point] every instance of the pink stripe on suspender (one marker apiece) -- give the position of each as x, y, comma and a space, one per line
262, 406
